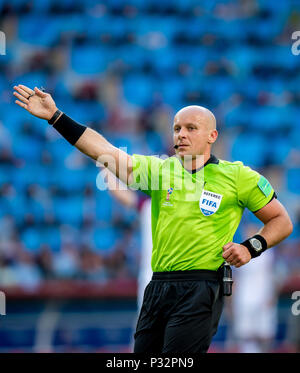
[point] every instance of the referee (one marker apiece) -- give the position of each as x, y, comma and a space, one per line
197, 204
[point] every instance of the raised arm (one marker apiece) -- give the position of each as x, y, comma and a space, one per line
89, 142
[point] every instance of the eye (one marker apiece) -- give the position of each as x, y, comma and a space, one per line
191, 128
176, 129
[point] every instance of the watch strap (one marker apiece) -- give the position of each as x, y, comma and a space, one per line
254, 253
54, 117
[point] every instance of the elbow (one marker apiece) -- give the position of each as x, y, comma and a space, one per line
289, 227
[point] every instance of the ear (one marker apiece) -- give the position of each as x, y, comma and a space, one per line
212, 136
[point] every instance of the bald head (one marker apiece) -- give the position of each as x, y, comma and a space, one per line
198, 114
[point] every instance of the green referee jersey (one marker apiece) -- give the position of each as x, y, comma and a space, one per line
194, 214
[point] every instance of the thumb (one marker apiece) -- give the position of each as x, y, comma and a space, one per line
39, 93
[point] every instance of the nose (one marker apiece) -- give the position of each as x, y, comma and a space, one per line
181, 134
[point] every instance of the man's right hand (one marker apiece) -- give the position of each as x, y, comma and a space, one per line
41, 104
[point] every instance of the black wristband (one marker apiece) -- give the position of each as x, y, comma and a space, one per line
69, 129
255, 252
55, 116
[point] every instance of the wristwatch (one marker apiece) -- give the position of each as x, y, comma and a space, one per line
256, 245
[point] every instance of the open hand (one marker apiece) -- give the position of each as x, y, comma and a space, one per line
236, 254
36, 102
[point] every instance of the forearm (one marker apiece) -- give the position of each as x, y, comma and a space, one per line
95, 146
83, 138
276, 230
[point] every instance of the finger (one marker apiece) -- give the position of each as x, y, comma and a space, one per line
40, 93
238, 265
22, 98
228, 246
26, 89
22, 92
234, 262
21, 104
227, 255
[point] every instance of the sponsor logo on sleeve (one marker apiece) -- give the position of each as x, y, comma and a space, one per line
264, 186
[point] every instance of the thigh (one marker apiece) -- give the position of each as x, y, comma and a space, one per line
150, 327
188, 335
148, 341
191, 328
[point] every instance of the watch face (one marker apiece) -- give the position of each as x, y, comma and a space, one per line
256, 244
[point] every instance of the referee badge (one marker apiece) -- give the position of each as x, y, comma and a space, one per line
209, 202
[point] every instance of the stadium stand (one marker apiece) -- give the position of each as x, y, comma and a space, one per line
124, 68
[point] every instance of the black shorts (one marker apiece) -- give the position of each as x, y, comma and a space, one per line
180, 312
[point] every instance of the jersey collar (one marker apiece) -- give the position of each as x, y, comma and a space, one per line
213, 159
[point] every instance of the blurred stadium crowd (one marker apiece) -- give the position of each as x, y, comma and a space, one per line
124, 68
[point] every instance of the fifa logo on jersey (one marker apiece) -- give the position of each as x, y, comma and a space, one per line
209, 202
170, 191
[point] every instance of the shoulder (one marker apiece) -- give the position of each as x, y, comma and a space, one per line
146, 159
230, 168
237, 167
233, 165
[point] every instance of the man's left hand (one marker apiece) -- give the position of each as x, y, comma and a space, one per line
236, 254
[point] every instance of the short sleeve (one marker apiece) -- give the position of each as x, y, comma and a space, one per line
254, 190
145, 173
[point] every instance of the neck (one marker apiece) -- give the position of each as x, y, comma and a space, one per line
191, 163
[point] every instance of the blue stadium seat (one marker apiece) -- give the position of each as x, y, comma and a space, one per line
131, 55
104, 239
97, 25
172, 90
240, 115
32, 145
250, 149
68, 210
83, 112
68, 180
293, 180
51, 237
35, 208
5, 174
14, 205
269, 118
29, 173
278, 150
138, 89
31, 239
104, 206
163, 61
13, 117
31, 80
71, 25
59, 149
89, 60
154, 141
39, 31
41, 6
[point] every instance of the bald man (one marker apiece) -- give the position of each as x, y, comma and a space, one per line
197, 204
